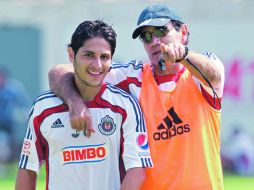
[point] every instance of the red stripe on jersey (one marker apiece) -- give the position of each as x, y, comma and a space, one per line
98, 102
124, 85
168, 78
121, 163
41, 143
114, 108
93, 103
210, 99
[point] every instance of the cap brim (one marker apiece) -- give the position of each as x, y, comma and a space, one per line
150, 22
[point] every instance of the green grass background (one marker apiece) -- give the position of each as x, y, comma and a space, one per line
231, 182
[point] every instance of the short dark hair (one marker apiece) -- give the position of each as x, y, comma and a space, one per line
91, 29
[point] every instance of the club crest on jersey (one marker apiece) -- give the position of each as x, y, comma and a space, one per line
107, 126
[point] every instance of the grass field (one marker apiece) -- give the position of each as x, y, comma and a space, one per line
231, 182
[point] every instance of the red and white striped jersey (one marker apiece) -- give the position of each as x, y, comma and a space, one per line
74, 161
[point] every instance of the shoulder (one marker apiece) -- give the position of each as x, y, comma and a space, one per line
124, 75
133, 64
215, 58
210, 55
220, 66
116, 91
128, 69
47, 98
118, 95
45, 101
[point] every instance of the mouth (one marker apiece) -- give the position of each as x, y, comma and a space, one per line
95, 74
156, 56
157, 53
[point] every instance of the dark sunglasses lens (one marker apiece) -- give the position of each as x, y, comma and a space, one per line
146, 37
159, 33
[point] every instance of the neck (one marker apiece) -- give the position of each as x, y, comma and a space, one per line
87, 92
170, 69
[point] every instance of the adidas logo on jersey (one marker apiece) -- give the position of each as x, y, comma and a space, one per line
173, 127
57, 124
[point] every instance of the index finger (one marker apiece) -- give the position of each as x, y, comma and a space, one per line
89, 125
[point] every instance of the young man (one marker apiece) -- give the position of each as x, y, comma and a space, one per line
180, 93
74, 161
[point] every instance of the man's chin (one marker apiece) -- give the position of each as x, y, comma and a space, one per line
154, 62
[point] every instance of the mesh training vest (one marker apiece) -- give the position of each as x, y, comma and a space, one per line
184, 136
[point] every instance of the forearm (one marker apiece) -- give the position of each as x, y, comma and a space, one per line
61, 82
209, 68
26, 180
133, 179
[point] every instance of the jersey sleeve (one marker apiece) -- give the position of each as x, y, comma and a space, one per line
136, 152
126, 76
34, 148
29, 157
218, 89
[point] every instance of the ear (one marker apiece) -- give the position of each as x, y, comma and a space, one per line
184, 30
71, 54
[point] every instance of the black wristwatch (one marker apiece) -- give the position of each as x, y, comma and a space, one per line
185, 54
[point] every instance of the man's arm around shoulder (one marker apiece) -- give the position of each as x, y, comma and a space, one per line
62, 75
61, 82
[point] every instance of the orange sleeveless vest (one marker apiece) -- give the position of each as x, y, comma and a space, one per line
184, 136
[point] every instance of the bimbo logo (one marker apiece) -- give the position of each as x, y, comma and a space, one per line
142, 141
84, 154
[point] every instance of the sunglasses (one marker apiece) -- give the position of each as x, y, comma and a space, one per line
147, 36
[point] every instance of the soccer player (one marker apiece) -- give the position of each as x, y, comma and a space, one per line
180, 93
73, 160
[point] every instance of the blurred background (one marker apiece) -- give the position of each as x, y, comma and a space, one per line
34, 35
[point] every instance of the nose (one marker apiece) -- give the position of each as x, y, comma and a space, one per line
155, 41
97, 63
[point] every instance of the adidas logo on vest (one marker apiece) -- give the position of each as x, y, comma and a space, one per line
173, 127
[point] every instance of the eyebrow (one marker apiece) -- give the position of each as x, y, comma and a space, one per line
107, 54
87, 51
